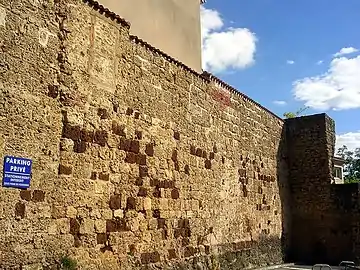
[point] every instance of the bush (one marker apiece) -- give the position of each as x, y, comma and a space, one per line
68, 264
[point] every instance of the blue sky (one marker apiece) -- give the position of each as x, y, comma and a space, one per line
283, 54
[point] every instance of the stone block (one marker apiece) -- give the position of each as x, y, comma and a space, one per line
165, 214
190, 214
25, 195
131, 158
104, 176
134, 224
119, 213
176, 135
82, 212
142, 192
34, 266
87, 226
147, 258
172, 214
20, 210
143, 225
106, 214
135, 146
130, 203
194, 205
38, 196
2, 211
176, 205
101, 137
175, 194
53, 228
117, 225
149, 150
141, 159
125, 144
63, 225
101, 187
65, 170
164, 204
143, 171
100, 226
71, 212
95, 213
58, 211
115, 202
147, 203
138, 134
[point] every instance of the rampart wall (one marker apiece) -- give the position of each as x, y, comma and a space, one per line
325, 217
139, 161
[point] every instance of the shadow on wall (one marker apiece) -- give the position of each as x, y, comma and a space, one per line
320, 220
285, 194
309, 146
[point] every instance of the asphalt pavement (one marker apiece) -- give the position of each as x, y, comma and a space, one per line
294, 267
303, 267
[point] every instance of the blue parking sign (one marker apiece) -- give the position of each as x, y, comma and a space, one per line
17, 172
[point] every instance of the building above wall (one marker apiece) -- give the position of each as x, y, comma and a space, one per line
338, 172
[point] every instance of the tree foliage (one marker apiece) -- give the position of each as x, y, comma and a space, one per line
352, 164
298, 113
288, 115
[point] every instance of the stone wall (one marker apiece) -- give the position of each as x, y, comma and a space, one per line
140, 162
343, 233
325, 217
137, 160
310, 151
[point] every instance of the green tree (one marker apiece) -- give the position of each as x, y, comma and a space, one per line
352, 164
288, 115
298, 113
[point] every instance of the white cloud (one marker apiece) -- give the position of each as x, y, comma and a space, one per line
210, 21
346, 50
279, 102
290, 62
225, 48
320, 62
350, 139
337, 89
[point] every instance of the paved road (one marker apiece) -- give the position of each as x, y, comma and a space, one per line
304, 267
294, 267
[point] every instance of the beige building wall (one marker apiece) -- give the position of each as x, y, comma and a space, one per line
338, 172
172, 26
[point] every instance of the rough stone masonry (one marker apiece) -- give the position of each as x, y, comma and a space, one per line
138, 161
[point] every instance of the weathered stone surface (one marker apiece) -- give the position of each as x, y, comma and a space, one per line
136, 167
319, 205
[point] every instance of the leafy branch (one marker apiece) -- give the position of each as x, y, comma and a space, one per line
298, 113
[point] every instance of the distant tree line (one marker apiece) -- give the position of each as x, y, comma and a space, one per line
352, 164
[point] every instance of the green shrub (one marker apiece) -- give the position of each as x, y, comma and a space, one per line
68, 264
